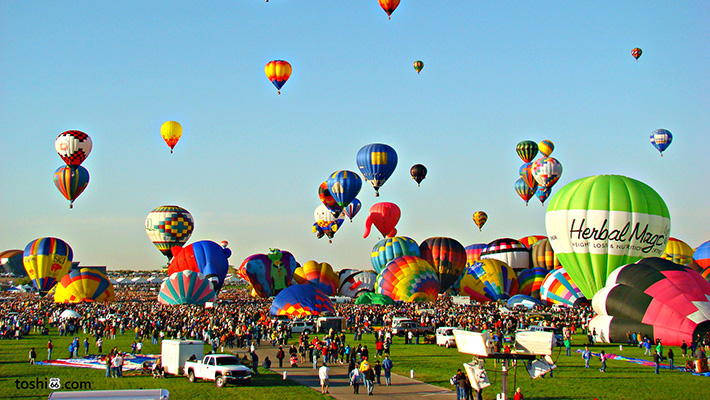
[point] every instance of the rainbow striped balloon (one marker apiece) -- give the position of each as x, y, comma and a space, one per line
320, 275
186, 287
558, 288
409, 279
530, 281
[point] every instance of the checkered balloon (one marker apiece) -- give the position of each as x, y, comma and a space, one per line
73, 147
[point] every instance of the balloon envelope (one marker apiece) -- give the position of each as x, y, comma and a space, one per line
480, 218
559, 288
186, 287
546, 147
206, 257
374, 298
701, 256
447, 256
320, 275
354, 282
377, 162
169, 226
84, 285
270, 273
278, 72
73, 147
543, 256
71, 181
521, 300
171, 132
301, 301
385, 217
530, 281
510, 251
388, 249
527, 150
47, 260
418, 172
389, 6
489, 280
678, 251
408, 279
661, 139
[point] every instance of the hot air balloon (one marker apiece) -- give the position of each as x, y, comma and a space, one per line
169, 226
278, 72
599, 223
377, 162
73, 147
389, 6
408, 279
529, 241
84, 285
489, 280
527, 150
510, 251
701, 256
11, 262
375, 298
705, 273
656, 297
301, 301
352, 209
542, 193
447, 256
521, 300
661, 139
473, 252
171, 132
418, 172
418, 66
636, 53
186, 287
385, 217
344, 186
320, 275
480, 218
327, 199
390, 248
270, 273
206, 257
546, 147
47, 260
524, 191
559, 288
354, 282
530, 281
526, 174
326, 223
678, 251
546, 171
71, 181
543, 256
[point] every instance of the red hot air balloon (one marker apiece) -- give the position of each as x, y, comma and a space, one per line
385, 217
389, 6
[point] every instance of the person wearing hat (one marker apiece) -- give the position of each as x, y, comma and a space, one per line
518, 395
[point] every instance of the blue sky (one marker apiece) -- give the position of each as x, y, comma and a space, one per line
250, 161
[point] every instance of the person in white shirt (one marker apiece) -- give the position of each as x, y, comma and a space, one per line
324, 379
118, 365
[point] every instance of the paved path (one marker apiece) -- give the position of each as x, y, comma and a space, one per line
402, 387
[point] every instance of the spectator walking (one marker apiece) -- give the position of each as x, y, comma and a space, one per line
33, 356
670, 358
387, 366
323, 374
281, 355
355, 379
378, 372
602, 358
656, 360
586, 355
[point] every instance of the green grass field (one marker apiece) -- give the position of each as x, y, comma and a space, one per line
432, 364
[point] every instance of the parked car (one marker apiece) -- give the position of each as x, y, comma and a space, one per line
445, 336
302, 327
401, 326
220, 368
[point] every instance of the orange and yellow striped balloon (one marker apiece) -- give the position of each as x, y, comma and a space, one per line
171, 132
278, 72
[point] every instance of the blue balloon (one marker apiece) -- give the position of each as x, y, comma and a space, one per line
344, 186
388, 249
523, 300
301, 301
206, 257
661, 139
377, 162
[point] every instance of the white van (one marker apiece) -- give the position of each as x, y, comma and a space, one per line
559, 339
445, 336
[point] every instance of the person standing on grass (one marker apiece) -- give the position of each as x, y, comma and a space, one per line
100, 344
670, 358
568, 346
684, 348
656, 360
109, 365
602, 358
139, 347
659, 348
86, 346
50, 347
586, 355
387, 366
33, 356
323, 374
518, 395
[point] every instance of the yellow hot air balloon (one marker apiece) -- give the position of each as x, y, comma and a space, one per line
46, 261
678, 251
171, 132
84, 285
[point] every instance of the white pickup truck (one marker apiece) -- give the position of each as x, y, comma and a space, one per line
220, 368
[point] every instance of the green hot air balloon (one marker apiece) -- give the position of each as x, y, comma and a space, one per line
527, 150
602, 222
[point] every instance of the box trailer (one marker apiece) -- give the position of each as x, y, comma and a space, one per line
176, 352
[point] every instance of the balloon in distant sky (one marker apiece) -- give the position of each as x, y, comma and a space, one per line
662, 299
320, 275
510, 251
390, 248
270, 273
524, 191
384, 216
278, 72
389, 6
352, 209
530, 281
327, 199
418, 66
84, 285
546, 147
601, 222
448, 258
377, 162
543, 256
701, 256
543, 193
678, 251
480, 218
326, 223
527, 150
344, 186
546, 171
354, 282
526, 174
169, 226
661, 139
409, 279
489, 280
186, 287
559, 288
171, 132
301, 301
418, 172
71, 181
529, 241
206, 257
47, 260
73, 147
636, 53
